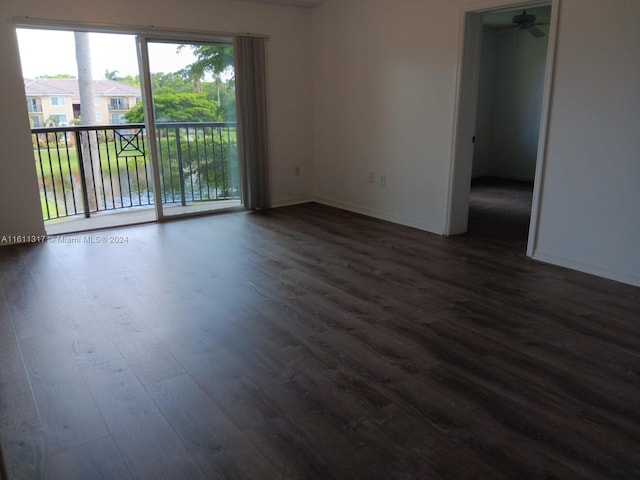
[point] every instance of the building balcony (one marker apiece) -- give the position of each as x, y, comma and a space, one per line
119, 106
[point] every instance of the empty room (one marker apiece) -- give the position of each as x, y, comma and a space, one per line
320, 239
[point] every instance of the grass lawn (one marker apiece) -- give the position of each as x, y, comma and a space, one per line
62, 161
61, 166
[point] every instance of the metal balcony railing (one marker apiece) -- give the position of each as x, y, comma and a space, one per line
118, 105
87, 169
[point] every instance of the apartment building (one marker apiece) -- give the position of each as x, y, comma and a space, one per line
56, 101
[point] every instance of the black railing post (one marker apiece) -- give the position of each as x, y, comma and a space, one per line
180, 171
83, 179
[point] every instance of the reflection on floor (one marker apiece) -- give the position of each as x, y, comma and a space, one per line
100, 221
133, 216
499, 209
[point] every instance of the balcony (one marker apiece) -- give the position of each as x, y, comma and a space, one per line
118, 105
86, 171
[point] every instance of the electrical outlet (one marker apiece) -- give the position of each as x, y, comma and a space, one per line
383, 180
298, 170
372, 177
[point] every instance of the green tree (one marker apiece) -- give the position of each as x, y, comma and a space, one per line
215, 59
163, 83
131, 80
178, 107
224, 94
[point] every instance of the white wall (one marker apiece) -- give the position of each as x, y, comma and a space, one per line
486, 101
289, 78
20, 212
520, 70
590, 211
384, 76
510, 103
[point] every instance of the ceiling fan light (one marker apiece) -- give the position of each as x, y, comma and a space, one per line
524, 19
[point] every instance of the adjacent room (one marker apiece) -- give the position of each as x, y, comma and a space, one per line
513, 61
390, 240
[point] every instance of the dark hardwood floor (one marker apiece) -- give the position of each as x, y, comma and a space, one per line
312, 343
500, 211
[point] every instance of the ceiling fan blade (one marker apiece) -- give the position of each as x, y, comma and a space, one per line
535, 31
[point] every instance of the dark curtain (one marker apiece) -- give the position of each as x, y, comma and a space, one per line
251, 104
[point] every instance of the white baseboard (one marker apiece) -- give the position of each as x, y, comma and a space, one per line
406, 221
287, 202
631, 278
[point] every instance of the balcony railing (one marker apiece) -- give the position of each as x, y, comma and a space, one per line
88, 169
118, 105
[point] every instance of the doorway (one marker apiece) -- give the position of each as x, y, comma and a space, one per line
510, 87
503, 96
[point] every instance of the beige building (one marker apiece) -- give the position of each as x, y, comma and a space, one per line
56, 101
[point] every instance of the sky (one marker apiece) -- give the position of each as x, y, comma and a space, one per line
51, 52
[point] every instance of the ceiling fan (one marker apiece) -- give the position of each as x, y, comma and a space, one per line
523, 21
528, 23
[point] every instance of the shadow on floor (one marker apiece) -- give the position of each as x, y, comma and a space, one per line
500, 210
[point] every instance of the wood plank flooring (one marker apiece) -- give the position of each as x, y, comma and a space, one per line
312, 343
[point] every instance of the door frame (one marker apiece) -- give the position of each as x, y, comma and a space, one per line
143, 35
466, 101
142, 44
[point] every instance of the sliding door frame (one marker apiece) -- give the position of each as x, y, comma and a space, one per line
170, 34
150, 121
142, 42
143, 34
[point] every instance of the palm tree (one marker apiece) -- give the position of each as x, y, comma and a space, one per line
111, 74
90, 152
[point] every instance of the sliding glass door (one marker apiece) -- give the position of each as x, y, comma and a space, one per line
190, 102
122, 138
